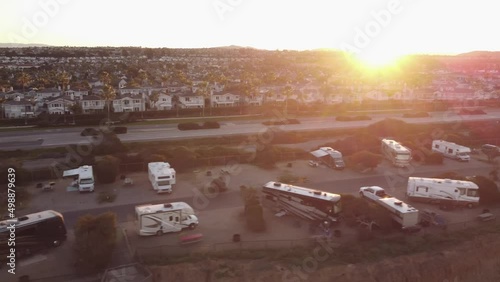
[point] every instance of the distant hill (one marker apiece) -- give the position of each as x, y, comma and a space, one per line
21, 45
481, 54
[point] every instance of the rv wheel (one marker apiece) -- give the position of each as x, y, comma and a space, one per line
192, 226
361, 194
470, 205
159, 233
56, 243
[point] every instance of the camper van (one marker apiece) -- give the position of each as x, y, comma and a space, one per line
84, 178
164, 218
330, 157
161, 176
438, 191
451, 150
399, 155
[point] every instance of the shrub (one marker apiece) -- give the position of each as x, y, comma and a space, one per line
188, 126
488, 190
95, 240
106, 169
364, 160
120, 130
211, 125
109, 144
254, 213
434, 158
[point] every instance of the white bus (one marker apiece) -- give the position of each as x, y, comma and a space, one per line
161, 176
303, 202
85, 179
164, 218
451, 150
433, 190
398, 154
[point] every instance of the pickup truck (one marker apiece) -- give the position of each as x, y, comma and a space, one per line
373, 193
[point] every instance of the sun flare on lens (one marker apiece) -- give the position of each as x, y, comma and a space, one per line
377, 60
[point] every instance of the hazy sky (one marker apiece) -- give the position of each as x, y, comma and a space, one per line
368, 27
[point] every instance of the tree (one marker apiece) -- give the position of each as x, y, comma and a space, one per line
488, 190
24, 79
176, 103
154, 97
364, 160
95, 240
109, 95
106, 169
76, 109
63, 79
253, 209
287, 92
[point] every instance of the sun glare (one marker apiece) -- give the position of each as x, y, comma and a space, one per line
378, 60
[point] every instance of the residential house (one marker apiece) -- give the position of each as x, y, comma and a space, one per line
190, 100
59, 105
164, 102
92, 104
225, 99
132, 91
76, 93
122, 84
255, 100
12, 95
95, 83
17, 109
48, 93
129, 103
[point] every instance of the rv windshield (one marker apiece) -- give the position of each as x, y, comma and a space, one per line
86, 181
163, 183
463, 154
472, 193
404, 156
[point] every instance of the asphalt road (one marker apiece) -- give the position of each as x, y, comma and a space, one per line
233, 199
12, 140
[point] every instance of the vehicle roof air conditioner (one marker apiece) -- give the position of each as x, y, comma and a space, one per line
277, 184
317, 192
398, 203
167, 205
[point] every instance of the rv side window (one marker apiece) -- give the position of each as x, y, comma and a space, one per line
462, 191
170, 218
436, 146
176, 219
472, 193
450, 151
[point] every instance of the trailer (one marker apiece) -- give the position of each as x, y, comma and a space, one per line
397, 154
84, 178
443, 191
161, 176
451, 150
405, 215
330, 157
164, 218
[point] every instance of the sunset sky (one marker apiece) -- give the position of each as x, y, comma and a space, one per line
404, 26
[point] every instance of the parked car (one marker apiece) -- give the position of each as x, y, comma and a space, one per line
120, 130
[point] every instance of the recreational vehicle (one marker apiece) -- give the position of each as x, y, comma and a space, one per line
439, 191
303, 202
451, 150
85, 178
165, 218
34, 232
161, 176
399, 155
401, 212
330, 157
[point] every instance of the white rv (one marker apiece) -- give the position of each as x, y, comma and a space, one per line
401, 212
161, 176
373, 193
451, 150
85, 180
330, 157
164, 218
438, 191
398, 154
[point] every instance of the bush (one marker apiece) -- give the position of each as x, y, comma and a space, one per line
434, 158
254, 213
106, 169
95, 240
211, 125
120, 130
109, 144
364, 160
188, 126
488, 190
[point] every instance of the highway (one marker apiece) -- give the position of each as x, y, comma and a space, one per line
232, 199
36, 138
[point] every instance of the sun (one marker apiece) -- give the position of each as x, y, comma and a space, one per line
377, 60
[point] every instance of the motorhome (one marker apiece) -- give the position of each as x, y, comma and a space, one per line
164, 218
84, 178
404, 214
433, 190
451, 150
330, 157
398, 154
161, 176
373, 193
303, 202
34, 232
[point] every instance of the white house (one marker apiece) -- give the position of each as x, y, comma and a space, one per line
59, 105
164, 102
226, 99
76, 94
189, 100
129, 103
92, 104
122, 84
254, 100
48, 93
132, 91
17, 109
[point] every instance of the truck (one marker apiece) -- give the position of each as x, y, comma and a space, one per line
84, 178
451, 150
330, 157
373, 193
164, 218
443, 191
161, 176
397, 154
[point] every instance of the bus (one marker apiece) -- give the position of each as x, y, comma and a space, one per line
33, 232
399, 155
303, 202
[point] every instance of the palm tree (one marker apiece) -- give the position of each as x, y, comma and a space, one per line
204, 92
63, 79
154, 97
109, 95
24, 79
175, 100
